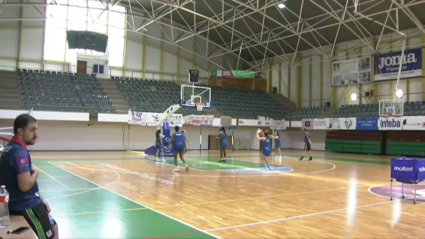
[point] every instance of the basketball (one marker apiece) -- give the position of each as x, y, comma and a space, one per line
260, 133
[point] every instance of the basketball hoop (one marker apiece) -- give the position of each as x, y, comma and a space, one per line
199, 106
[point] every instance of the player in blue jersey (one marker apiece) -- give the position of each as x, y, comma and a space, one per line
307, 146
20, 178
278, 146
267, 150
179, 144
223, 144
159, 146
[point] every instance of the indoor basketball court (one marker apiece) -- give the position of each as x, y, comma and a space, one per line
118, 189
106, 113
130, 194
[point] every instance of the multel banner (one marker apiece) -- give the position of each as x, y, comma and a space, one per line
387, 65
367, 123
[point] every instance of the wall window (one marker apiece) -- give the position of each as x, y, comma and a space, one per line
98, 69
76, 16
116, 37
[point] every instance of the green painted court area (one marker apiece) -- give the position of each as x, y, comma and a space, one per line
83, 210
210, 163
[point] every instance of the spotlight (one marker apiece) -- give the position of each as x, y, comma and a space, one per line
353, 96
281, 5
399, 93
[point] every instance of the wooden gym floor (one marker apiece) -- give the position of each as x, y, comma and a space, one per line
126, 195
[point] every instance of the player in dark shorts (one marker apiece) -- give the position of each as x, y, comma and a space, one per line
179, 144
20, 179
307, 146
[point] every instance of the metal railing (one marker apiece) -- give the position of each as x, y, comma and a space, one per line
314, 102
72, 68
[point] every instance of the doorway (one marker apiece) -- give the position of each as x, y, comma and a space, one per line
82, 67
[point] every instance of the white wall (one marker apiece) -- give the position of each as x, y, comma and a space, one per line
109, 136
295, 139
316, 73
91, 61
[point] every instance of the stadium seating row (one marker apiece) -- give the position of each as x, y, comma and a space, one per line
62, 91
57, 91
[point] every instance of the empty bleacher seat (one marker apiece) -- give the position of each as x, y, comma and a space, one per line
57, 91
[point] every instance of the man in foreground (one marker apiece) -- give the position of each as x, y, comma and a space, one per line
20, 178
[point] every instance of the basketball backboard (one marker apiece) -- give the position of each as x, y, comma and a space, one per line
391, 107
192, 95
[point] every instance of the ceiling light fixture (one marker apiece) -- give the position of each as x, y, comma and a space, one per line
281, 5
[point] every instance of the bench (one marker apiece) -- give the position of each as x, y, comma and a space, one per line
15, 223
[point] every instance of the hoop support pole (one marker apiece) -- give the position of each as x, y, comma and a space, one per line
200, 138
400, 66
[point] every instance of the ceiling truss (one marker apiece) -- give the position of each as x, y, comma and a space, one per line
254, 31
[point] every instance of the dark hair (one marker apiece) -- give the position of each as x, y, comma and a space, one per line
266, 133
277, 133
157, 133
22, 122
177, 128
222, 129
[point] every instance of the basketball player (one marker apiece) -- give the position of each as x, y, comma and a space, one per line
277, 147
223, 145
307, 146
179, 144
159, 146
264, 136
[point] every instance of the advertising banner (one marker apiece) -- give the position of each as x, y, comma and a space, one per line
413, 123
319, 124
277, 124
367, 123
390, 123
334, 124
235, 74
353, 71
263, 121
342, 123
421, 170
387, 65
152, 119
307, 124
199, 119
404, 170
248, 122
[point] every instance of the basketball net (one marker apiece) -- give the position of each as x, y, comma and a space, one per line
199, 106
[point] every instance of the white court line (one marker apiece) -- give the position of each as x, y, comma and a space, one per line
239, 175
137, 202
395, 198
68, 189
295, 217
321, 171
54, 179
